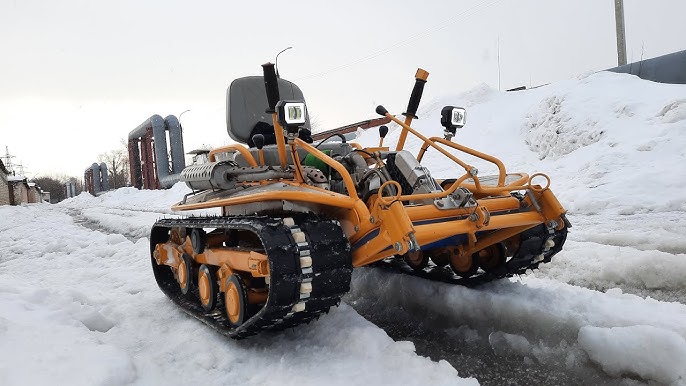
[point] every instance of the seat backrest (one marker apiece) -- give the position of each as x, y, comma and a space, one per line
246, 104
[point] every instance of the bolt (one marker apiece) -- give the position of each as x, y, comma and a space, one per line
473, 171
371, 220
398, 246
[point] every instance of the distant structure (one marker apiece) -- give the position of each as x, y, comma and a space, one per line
150, 165
95, 179
69, 189
670, 68
16, 189
6, 197
349, 130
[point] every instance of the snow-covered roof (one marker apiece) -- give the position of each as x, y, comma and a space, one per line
16, 178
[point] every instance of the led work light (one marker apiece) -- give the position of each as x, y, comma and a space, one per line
453, 118
291, 113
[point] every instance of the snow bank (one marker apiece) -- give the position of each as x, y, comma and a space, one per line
158, 201
645, 351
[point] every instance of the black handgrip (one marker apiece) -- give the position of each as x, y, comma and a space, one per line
271, 85
258, 140
383, 130
381, 110
415, 98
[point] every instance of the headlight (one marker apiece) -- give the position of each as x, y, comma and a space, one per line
291, 114
453, 118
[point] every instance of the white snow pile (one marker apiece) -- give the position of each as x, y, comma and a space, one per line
654, 353
78, 303
80, 307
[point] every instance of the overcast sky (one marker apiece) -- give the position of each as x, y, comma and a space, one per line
77, 76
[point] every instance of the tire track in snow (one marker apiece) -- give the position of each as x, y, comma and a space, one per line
520, 332
131, 224
640, 254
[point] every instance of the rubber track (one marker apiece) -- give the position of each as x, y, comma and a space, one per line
532, 245
330, 273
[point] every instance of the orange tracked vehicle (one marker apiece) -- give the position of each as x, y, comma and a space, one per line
296, 217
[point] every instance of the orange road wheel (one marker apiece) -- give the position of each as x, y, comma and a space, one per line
235, 300
184, 273
207, 287
416, 259
490, 258
462, 265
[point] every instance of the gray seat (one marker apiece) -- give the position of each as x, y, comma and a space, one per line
246, 105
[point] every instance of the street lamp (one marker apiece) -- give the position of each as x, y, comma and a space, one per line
180, 125
276, 61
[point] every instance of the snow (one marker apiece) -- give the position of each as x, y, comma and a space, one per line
80, 307
645, 351
78, 304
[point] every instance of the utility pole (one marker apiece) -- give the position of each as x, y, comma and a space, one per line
498, 62
8, 160
621, 38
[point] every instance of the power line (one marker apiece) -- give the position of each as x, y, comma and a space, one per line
483, 4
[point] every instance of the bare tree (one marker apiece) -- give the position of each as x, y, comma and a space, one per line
315, 123
117, 167
55, 185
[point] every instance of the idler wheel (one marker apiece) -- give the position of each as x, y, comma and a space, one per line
207, 287
235, 300
462, 265
491, 258
417, 260
184, 273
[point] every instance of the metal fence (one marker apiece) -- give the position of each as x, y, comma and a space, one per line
670, 68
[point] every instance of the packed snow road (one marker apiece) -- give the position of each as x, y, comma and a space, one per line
74, 295
79, 305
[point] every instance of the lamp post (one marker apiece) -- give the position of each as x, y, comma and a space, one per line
276, 61
180, 125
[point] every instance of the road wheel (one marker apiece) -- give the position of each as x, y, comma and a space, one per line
184, 273
235, 300
207, 287
198, 240
417, 260
462, 265
491, 258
